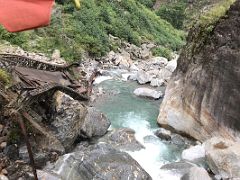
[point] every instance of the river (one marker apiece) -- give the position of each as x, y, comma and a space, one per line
124, 109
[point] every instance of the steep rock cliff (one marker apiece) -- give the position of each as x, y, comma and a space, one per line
203, 97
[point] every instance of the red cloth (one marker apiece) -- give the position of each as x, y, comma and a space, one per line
19, 15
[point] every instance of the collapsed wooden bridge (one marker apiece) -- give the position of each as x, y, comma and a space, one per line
34, 81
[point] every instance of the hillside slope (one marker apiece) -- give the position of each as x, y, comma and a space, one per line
87, 30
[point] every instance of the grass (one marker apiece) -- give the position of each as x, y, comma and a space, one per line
86, 31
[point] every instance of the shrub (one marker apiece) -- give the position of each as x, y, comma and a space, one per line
4, 77
163, 52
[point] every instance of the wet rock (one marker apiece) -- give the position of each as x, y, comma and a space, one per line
143, 77
163, 134
223, 157
149, 93
95, 124
182, 141
99, 161
123, 139
70, 115
195, 154
179, 167
196, 173
157, 82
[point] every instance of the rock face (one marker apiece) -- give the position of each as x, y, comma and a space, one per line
223, 157
202, 98
99, 161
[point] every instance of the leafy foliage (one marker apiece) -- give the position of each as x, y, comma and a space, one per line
87, 30
174, 13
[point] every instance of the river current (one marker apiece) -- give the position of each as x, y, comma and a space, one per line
124, 109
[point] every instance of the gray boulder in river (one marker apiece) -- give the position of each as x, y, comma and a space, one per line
73, 120
202, 98
100, 161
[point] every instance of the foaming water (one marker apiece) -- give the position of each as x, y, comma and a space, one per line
126, 110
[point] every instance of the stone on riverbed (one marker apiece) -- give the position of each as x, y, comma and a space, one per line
196, 173
99, 161
195, 154
179, 167
163, 134
143, 77
123, 139
95, 124
149, 93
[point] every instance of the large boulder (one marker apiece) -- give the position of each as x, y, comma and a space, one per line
202, 98
99, 161
143, 77
223, 157
149, 93
72, 120
95, 124
196, 173
69, 118
195, 154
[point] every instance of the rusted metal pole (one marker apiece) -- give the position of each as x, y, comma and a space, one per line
30, 153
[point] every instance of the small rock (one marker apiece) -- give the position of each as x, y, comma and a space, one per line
195, 154
3, 145
196, 173
149, 93
163, 134
178, 140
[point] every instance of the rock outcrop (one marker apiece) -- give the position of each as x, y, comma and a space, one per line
99, 161
203, 95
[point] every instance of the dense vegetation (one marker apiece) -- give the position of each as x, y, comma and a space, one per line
74, 32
